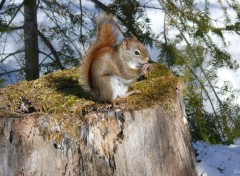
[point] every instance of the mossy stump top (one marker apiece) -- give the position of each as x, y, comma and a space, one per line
62, 96
62, 93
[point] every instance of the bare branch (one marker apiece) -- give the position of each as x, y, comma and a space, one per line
2, 3
165, 37
12, 71
51, 48
11, 54
10, 29
47, 56
14, 28
151, 7
81, 27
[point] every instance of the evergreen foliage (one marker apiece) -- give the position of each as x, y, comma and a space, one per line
134, 18
196, 28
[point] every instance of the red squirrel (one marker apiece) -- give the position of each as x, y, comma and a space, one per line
109, 66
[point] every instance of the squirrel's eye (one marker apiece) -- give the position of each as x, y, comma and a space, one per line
137, 52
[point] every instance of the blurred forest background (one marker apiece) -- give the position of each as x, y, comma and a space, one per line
38, 37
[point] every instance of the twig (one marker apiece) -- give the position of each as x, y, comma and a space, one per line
1, 4
12, 71
51, 48
11, 54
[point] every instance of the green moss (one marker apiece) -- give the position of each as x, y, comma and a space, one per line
62, 96
159, 88
55, 93
159, 71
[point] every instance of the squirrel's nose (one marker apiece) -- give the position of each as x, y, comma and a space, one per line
147, 59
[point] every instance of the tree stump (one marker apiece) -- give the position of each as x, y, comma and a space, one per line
142, 135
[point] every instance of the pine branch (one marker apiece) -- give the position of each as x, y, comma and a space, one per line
106, 9
102, 6
192, 51
198, 61
208, 96
131, 28
54, 19
19, 7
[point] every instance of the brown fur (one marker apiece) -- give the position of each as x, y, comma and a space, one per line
108, 68
106, 39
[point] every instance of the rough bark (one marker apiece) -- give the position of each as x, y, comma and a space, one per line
24, 151
151, 142
31, 40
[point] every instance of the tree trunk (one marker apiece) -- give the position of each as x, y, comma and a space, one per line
31, 40
149, 142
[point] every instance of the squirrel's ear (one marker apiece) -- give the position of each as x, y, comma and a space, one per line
125, 44
135, 38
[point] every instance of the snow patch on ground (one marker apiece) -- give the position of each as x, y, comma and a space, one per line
217, 160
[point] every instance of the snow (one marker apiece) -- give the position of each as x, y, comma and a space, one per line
217, 160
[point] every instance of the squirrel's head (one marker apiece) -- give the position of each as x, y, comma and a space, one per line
134, 53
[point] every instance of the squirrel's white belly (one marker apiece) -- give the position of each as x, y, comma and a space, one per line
120, 86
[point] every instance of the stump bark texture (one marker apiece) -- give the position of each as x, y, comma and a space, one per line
154, 141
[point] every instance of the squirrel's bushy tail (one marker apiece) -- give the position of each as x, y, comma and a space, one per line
106, 32
106, 37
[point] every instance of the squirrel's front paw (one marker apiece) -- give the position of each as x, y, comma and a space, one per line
136, 91
132, 92
145, 68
